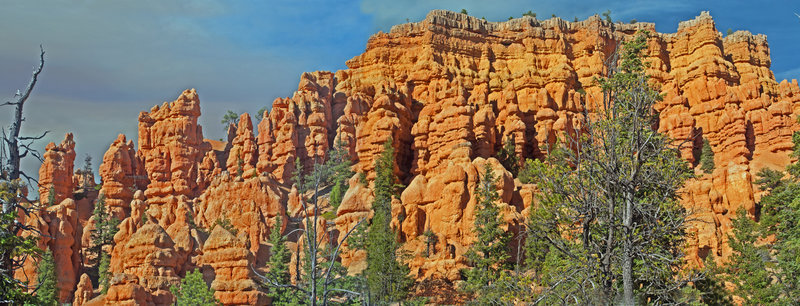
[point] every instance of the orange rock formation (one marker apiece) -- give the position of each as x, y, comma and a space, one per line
448, 91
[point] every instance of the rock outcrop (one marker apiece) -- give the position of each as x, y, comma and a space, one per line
229, 260
299, 127
119, 174
149, 262
171, 147
64, 245
250, 206
84, 292
449, 92
55, 174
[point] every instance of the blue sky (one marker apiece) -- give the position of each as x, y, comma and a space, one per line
109, 60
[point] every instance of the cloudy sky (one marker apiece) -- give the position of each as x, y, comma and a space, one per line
108, 60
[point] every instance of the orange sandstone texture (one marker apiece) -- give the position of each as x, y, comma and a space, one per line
55, 174
448, 91
84, 292
232, 277
118, 174
474, 84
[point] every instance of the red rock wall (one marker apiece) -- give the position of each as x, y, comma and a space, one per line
448, 91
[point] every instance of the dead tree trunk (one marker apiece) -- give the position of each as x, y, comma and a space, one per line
13, 141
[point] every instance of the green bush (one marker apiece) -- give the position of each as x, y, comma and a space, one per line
193, 290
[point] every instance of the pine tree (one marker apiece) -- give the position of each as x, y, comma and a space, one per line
770, 273
507, 156
608, 200
47, 292
105, 227
338, 172
298, 177
103, 275
490, 251
278, 268
430, 241
229, 118
707, 157
387, 278
193, 291
322, 278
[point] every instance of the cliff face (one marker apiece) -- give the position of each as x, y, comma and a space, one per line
447, 91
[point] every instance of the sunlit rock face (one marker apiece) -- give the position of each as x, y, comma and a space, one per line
448, 92
473, 84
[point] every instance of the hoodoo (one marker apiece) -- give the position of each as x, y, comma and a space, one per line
449, 92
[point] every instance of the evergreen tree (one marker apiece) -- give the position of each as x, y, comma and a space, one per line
103, 275
298, 176
51, 196
260, 113
105, 227
278, 265
769, 273
507, 156
47, 292
87, 171
607, 15
338, 172
430, 241
16, 249
706, 157
608, 200
322, 278
490, 251
193, 290
337, 194
387, 278
229, 118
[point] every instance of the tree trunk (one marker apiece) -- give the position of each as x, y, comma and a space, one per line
627, 255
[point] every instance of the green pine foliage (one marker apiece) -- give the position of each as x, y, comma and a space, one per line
529, 13
193, 290
228, 118
706, 157
526, 173
489, 253
338, 172
430, 242
278, 265
14, 246
226, 224
769, 273
47, 291
608, 206
298, 177
260, 113
51, 196
607, 15
387, 278
105, 227
103, 274
507, 155
336, 195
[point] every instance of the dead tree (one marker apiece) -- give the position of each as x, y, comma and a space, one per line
320, 283
15, 249
18, 147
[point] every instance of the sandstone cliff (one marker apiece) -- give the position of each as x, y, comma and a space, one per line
448, 91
